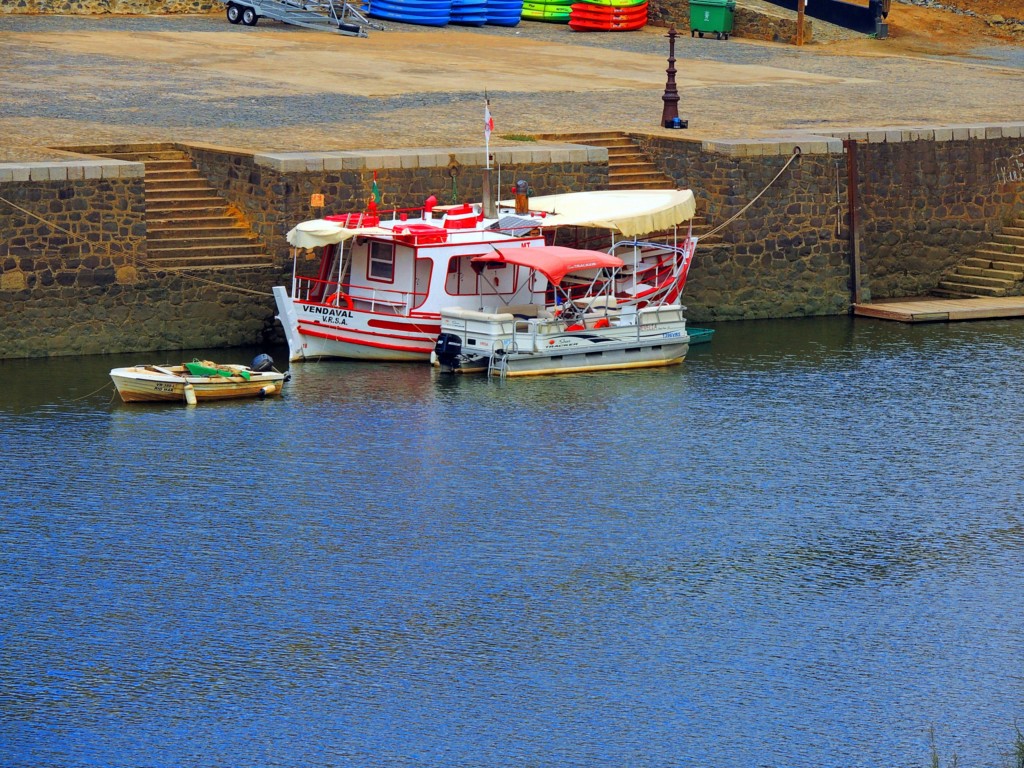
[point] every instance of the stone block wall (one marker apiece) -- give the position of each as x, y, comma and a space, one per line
274, 190
747, 22
71, 274
783, 256
155, 312
929, 197
73, 278
71, 225
95, 7
754, 25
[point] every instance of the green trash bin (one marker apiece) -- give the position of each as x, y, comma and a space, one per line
713, 16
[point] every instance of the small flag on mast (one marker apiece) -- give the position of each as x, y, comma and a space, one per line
488, 120
375, 190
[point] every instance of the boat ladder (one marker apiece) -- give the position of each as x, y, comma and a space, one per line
498, 361
328, 15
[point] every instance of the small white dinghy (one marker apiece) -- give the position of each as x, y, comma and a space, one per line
198, 380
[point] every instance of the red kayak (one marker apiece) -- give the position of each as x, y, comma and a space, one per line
587, 17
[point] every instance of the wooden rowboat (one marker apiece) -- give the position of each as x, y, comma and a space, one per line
198, 380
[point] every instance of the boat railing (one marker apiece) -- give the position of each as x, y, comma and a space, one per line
350, 296
656, 272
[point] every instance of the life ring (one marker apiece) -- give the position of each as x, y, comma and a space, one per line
337, 298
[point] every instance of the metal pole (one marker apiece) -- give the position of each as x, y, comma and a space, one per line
852, 182
670, 111
488, 200
800, 21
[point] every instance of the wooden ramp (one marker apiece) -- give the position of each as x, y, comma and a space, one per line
937, 310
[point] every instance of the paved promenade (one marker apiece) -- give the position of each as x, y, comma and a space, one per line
92, 80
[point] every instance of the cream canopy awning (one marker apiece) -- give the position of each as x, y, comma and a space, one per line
318, 232
629, 212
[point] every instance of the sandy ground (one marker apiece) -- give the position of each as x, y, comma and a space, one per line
82, 80
915, 31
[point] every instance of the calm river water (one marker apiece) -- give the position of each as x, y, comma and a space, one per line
802, 548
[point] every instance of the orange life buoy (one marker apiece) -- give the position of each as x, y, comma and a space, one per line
337, 298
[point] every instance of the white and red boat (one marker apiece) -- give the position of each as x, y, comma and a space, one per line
371, 286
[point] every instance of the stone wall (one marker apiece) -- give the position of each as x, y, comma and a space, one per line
928, 197
73, 275
274, 191
754, 25
127, 7
155, 312
71, 225
782, 255
73, 280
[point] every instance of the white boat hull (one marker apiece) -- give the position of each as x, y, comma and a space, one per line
506, 346
605, 357
315, 331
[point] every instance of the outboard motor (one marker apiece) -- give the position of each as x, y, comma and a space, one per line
448, 349
262, 363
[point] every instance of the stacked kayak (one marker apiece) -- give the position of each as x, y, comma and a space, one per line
544, 11
599, 16
504, 13
431, 13
471, 13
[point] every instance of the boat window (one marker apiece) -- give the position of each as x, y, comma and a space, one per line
462, 279
382, 262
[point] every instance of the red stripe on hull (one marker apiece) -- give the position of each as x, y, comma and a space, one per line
433, 330
430, 331
366, 342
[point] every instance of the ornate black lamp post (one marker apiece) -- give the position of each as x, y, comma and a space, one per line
670, 112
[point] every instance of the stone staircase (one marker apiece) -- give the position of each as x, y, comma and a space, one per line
628, 167
995, 269
189, 225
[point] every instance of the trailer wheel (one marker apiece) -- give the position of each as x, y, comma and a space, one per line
249, 17
234, 13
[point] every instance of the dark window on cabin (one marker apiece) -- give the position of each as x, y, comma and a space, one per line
382, 262
462, 279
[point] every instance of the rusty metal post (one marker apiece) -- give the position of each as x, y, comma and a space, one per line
852, 182
670, 111
800, 21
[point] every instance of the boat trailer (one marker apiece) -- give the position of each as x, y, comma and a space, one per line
328, 15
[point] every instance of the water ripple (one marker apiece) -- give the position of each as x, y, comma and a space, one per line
801, 548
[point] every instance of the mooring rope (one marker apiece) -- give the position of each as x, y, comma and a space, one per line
108, 384
57, 227
741, 211
141, 261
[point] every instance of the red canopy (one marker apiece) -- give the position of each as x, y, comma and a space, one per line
552, 261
